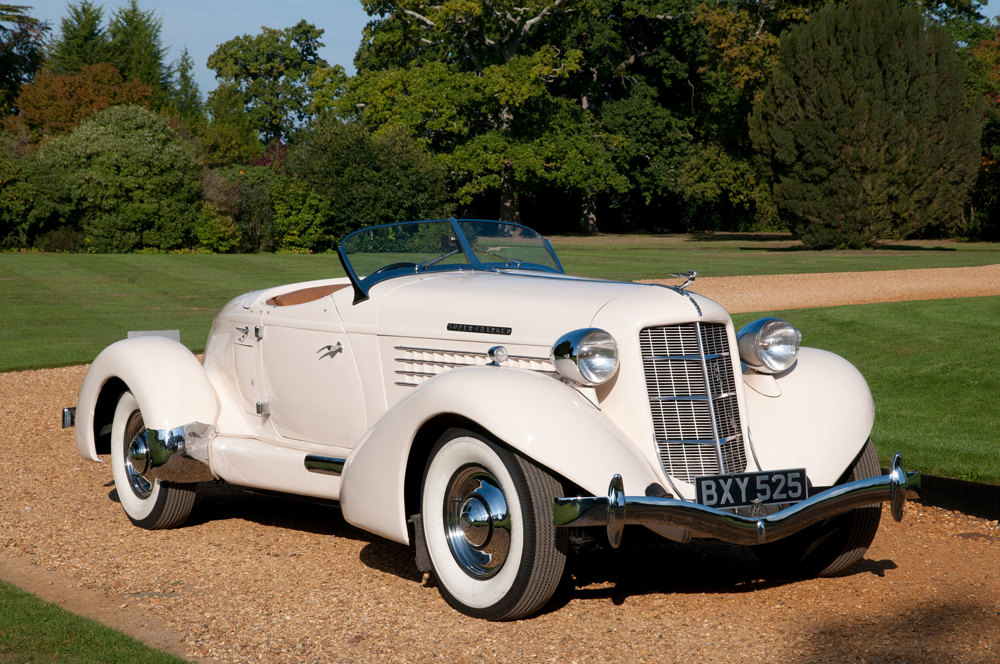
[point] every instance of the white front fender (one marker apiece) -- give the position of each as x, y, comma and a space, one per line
167, 380
539, 416
820, 421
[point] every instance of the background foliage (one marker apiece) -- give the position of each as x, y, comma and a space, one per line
866, 127
845, 123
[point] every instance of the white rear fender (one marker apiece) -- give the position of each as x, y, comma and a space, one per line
819, 421
542, 418
169, 384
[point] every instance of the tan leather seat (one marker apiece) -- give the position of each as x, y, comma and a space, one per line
304, 295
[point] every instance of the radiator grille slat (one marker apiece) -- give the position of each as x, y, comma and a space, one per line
692, 399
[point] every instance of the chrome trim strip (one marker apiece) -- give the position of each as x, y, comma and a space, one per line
680, 291
324, 465
436, 363
696, 441
615, 511
180, 454
684, 397
711, 401
753, 450
687, 358
407, 384
412, 349
695, 397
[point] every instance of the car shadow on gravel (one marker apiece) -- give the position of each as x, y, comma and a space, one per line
643, 564
218, 501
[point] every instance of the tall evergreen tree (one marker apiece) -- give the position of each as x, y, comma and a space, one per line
185, 97
82, 39
135, 48
866, 126
21, 50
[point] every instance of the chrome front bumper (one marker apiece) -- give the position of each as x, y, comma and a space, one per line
618, 510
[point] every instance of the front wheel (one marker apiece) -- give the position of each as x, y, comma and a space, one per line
149, 503
487, 519
833, 546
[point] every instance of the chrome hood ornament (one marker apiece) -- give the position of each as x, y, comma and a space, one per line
688, 277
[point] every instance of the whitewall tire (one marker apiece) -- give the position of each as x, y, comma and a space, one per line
149, 503
487, 522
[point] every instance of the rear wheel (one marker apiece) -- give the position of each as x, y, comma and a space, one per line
833, 546
487, 521
149, 503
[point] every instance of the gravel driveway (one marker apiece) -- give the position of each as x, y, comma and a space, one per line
257, 578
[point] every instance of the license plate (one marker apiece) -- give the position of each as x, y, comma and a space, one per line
776, 486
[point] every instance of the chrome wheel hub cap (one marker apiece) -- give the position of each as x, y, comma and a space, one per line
477, 522
137, 458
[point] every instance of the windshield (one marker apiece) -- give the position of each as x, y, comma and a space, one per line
497, 244
381, 252
403, 246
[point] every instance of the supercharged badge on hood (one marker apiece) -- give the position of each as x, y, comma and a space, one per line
478, 329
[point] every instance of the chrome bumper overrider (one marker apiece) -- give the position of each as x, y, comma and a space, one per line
618, 510
173, 455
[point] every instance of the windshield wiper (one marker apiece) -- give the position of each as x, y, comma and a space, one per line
435, 261
508, 259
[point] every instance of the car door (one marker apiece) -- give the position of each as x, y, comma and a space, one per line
311, 386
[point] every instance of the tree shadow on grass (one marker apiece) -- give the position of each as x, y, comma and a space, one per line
762, 237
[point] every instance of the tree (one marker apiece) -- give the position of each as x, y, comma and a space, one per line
16, 196
122, 177
477, 83
368, 179
135, 48
21, 51
266, 78
54, 104
82, 39
184, 98
866, 128
985, 65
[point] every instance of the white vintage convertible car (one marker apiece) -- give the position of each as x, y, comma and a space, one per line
458, 392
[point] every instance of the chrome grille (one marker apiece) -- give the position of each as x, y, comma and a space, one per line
692, 398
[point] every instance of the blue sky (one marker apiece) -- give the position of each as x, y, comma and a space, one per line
202, 25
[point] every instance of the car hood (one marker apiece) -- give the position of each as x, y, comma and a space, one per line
528, 308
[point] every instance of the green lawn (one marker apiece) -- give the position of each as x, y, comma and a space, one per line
934, 370
59, 309
35, 631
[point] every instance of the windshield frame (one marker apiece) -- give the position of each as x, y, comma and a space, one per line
362, 285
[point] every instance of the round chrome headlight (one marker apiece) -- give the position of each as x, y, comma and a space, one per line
587, 357
769, 345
